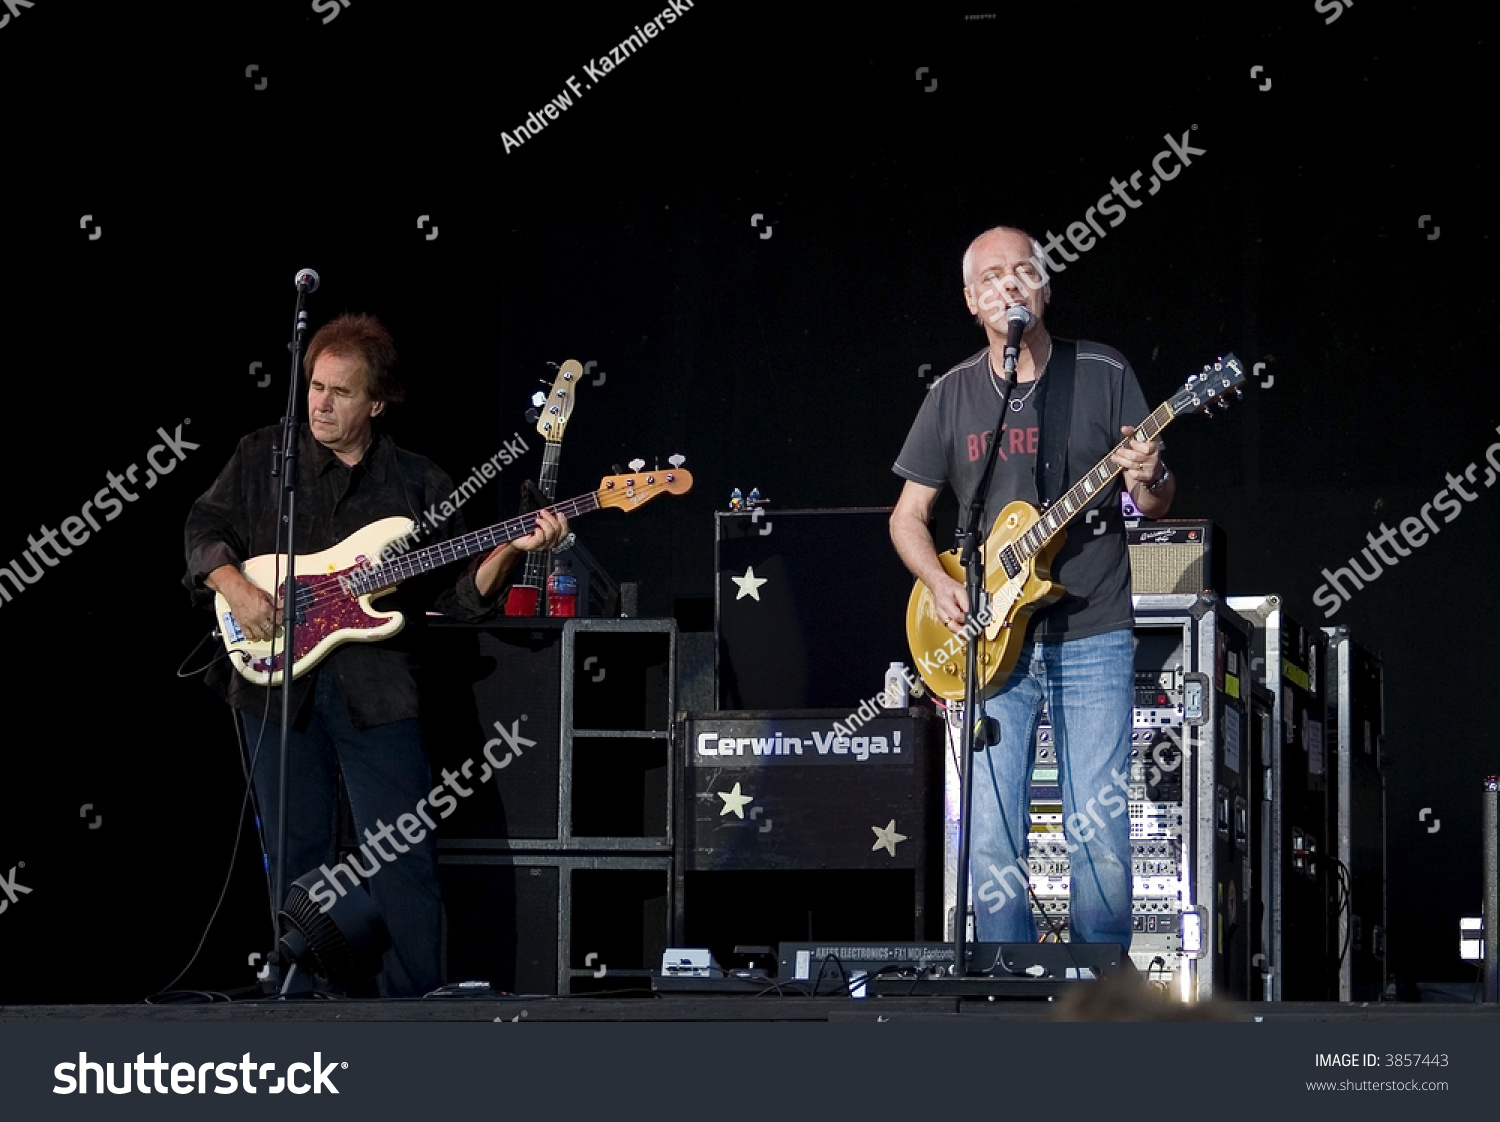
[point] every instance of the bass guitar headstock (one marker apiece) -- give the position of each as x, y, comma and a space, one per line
552, 412
641, 486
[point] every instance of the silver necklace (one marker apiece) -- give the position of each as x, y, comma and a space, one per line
1017, 405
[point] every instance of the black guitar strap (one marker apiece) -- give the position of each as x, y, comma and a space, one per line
1054, 406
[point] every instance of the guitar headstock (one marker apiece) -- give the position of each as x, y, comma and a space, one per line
553, 414
1218, 382
630, 491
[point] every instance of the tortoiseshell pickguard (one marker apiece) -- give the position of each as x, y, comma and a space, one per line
331, 610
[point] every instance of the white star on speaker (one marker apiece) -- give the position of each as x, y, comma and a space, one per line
749, 584
736, 802
885, 839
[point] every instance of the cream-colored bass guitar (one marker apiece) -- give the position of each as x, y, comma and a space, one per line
335, 587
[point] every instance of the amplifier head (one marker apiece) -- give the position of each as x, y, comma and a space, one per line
1176, 555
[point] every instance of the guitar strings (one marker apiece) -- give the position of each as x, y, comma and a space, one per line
337, 586
325, 588
1085, 489
1079, 495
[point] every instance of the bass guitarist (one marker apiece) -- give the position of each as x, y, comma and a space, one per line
355, 714
1067, 409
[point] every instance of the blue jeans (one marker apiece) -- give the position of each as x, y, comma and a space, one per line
385, 773
1088, 685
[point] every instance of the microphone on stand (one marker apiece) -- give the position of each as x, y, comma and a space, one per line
1018, 321
307, 282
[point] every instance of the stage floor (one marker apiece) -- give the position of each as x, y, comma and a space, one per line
679, 1007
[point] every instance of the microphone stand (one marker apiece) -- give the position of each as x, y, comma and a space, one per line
284, 465
979, 731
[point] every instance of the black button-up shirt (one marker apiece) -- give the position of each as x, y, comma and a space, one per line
235, 520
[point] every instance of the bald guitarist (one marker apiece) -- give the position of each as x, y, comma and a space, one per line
1078, 653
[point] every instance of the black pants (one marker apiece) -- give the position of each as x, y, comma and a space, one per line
386, 774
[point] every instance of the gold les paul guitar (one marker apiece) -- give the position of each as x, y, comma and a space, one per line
1018, 557
335, 587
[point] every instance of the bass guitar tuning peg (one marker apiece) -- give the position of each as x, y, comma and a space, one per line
637, 465
677, 459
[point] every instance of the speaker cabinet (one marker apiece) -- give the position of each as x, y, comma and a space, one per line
572, 720
554, 924
810, 824
557, 868
810, 607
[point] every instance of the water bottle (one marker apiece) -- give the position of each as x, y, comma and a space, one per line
562, 591
897, 690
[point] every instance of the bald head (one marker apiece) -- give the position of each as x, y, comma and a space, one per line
1003, 238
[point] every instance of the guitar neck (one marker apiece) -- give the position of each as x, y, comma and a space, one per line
534, 575
1060, 513
408, 565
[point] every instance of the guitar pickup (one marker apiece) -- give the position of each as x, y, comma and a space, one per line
304, 596
232, 628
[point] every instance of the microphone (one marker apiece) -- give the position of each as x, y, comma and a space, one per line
308, 280
1017, 321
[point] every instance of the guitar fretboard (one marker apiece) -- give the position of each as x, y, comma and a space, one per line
408, 565
1014, 556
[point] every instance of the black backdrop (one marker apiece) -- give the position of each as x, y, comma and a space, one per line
621, 234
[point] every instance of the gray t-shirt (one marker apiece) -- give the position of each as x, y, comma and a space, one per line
947, 445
